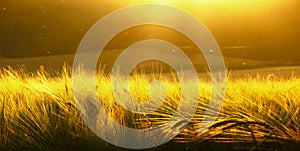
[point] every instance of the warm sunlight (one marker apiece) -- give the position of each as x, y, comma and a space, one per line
149, 74
192, 2
213, 8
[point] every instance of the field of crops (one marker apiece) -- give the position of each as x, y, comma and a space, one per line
39, 112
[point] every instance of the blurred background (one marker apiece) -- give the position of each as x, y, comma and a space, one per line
250, 33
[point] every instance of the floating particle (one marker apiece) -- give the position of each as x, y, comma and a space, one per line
173, 50
211, 50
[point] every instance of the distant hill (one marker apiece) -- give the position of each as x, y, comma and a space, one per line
56, 62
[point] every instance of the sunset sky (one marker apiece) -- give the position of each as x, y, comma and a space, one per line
270, 25
257, 29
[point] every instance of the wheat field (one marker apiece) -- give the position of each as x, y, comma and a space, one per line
38, 110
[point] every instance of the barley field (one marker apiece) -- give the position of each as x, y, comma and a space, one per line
38, 110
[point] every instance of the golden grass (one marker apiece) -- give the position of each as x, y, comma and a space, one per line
38, 110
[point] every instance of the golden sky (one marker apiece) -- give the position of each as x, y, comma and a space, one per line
242, 28
270, 27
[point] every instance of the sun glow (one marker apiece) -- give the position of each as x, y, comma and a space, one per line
203, 1
209, 7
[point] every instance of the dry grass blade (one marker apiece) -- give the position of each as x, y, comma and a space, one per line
37, 110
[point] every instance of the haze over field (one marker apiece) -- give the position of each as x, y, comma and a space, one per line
52, 98
261, 30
